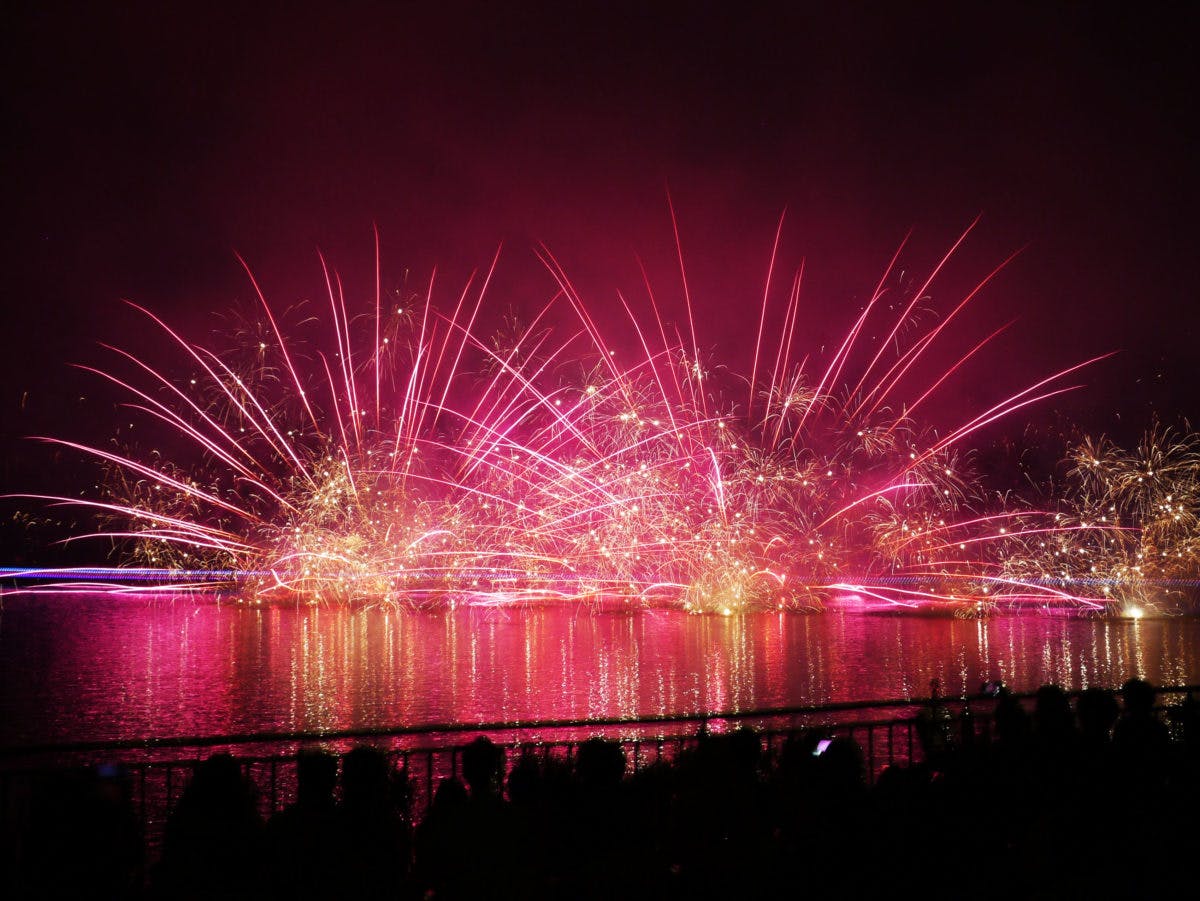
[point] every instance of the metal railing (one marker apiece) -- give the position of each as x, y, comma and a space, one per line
155, 772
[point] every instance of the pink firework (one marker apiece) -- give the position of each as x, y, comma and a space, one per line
403, 456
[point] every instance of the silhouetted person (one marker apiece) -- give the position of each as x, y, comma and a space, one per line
1052, 718
1140, 737
483, 768
212, 847
83, 839
600, 765
1140, 766
531, 815
834, 811
438, 857
1097, 710
794, 778
745, 752
600, 831
1056, 745
1011, 722
842, 771
302, 838
525, 782
544, 806
486, 864
898, 822
374, 839
1006, 784
740, 825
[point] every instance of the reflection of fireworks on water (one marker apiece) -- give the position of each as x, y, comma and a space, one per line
404, 457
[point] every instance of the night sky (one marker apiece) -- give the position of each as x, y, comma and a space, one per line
145, 145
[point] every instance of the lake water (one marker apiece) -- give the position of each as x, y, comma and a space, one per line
92, 666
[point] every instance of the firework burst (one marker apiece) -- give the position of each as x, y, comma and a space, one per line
403, 456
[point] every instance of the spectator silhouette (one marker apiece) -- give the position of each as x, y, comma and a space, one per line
438, 859
835, 810
488, 863
1013, 727
483, 769
302, 838
1140, 747
525, 783
374, 838
1056, 757
213, 841
544, 803
843, 770
700, 825
599, 829
1140, 736
1098, 711
600, 766
1053, 721
83, 840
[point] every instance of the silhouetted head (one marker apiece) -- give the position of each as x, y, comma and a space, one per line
1012, 722
1052, 712
1139, 697
1097, 710
898, 785
745, 749
218, 781
600, 763
482, 765
524, 780
842, 766
316, 776
364, 776
450, 795
797, 757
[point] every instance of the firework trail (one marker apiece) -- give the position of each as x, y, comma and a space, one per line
404, 457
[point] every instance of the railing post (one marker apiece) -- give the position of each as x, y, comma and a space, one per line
870, 755
142, 792
428, 779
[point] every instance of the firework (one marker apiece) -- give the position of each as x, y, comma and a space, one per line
404, 457
1127, 521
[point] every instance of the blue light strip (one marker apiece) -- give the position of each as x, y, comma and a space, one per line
124, 574
167, 576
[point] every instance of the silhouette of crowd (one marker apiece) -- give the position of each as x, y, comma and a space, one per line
1095, 801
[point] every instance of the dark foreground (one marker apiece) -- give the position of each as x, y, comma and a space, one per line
1093, 802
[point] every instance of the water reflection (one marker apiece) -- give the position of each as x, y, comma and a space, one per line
78, 667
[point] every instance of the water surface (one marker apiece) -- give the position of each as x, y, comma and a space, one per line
88, 666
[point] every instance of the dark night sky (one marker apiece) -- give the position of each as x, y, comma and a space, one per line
145, 145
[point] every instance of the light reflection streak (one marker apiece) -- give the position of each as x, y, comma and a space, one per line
185, 668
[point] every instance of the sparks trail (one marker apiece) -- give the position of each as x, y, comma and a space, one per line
402, 456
